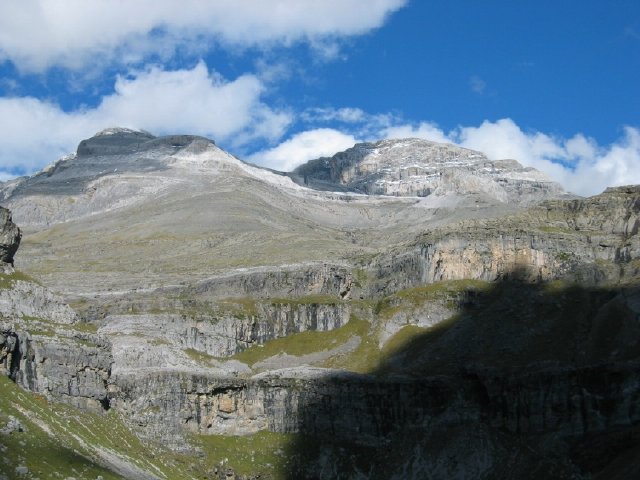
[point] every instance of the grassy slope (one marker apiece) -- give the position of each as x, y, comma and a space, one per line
59, 441
8, 279
368, 356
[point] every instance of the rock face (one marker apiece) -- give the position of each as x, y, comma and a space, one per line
64, 366
593, 241
27, 299
413, 167
146, 337
82, 183
40, 347
9, 237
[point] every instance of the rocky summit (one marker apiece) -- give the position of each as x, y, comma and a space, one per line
403, 309
413, 167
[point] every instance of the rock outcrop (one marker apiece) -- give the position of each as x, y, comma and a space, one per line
9, 238
591, 241
63, 365
27, 299
42, 346
413, 167
221, 334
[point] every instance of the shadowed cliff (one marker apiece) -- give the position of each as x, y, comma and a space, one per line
529, 380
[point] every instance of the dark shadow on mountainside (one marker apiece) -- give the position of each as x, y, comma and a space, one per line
529, 380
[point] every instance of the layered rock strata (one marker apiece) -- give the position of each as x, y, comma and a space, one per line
413, 167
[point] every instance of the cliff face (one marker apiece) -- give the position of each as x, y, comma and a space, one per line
592, 241
9, 238
44, 349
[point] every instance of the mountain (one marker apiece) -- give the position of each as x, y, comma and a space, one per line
403, 309
413, 167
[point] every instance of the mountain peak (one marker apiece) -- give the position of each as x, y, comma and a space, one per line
121, 131
422, 168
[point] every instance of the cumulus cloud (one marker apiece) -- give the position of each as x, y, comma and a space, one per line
37, 34
302, 147
424, 130
193, 101
578, 163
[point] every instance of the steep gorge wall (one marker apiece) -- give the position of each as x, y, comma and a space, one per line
591, 241
224, 334
72, 369
368, 410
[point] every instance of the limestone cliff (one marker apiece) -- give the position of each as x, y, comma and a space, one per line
9, 238
592, 241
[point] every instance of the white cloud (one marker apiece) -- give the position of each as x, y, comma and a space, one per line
302, 147
424, 130
345, 115
37, 34
618, 164
578, 163
192, 101
35, 133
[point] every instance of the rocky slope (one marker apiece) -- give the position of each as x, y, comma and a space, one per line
173, 208
264, 328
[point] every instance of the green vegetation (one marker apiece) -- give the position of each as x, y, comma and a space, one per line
366, 356
318, 299
7, 280
304, 342
360, 277
555, 287
400, 340
42, 332
240, 307
58, 440
44, 326
263, 453
85, 327
198, 356
555, 229
412, 298
563, 256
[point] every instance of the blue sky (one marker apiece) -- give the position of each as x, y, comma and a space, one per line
552, 84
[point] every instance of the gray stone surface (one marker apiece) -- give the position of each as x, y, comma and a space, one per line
12, 425
592, 241
413, 167
9, 237
27, 299
61, 364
